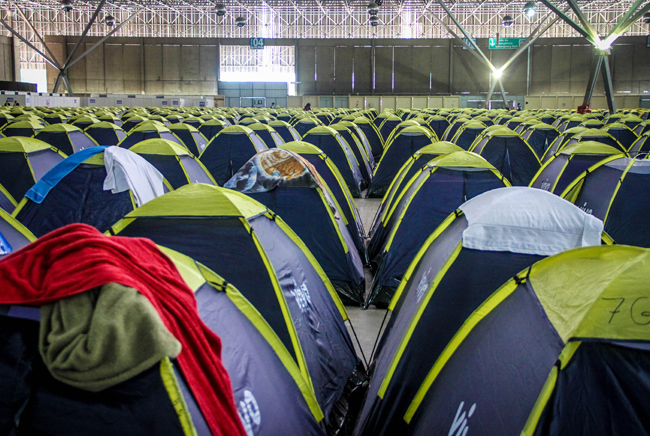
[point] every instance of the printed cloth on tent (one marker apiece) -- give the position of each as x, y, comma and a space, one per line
291, 187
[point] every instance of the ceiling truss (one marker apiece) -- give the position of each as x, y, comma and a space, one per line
294, 19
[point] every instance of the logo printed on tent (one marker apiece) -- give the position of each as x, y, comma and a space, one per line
5, 246
546, 186
249, 413
423, 286
301, 294
585, 209
460, 426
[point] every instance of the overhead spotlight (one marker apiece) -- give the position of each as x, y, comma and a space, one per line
109, 20
66, 5
240, 21
373, 8
220, 9
379, 2
508, 21
529, 9
374, 21
604, 44
498, 72
646, 18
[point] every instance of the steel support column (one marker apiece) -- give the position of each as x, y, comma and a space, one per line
58, 81
29, 44
490, 92
503, 92
593, 78
607, 81
568, 20
66, 65
101, 41
67, 84
63, 71
469, 38
38, 35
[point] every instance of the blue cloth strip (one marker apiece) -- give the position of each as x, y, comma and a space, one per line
39, 191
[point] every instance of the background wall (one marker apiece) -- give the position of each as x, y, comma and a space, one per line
140, 66
7, 59
443, 66
378, 102
342, 72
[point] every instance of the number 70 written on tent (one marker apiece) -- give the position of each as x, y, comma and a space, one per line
636, 310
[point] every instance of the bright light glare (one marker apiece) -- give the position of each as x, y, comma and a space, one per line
497, 73
35, 76
605, 44
602, 45
529, 9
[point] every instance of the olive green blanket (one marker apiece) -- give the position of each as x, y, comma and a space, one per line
102, 337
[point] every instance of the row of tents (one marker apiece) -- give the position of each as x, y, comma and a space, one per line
294, 221
503, 314
292, 363
405, 218
275, 309
517, 316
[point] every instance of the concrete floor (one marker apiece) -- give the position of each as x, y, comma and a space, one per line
366, 323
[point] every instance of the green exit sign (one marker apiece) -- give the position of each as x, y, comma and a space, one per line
505, 43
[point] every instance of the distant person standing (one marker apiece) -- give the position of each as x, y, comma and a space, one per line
16, 103
308, 107
7, 103
273, 105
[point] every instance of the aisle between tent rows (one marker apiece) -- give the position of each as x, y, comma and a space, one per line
366, 322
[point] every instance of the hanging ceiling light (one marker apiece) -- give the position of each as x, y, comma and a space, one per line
374, 21
220, 9
373, 8
508, 21
529, 9
66, 5
240, 21
109, 20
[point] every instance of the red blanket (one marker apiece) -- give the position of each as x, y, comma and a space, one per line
77, 258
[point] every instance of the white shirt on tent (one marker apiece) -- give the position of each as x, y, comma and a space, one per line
127, 170
528, 221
